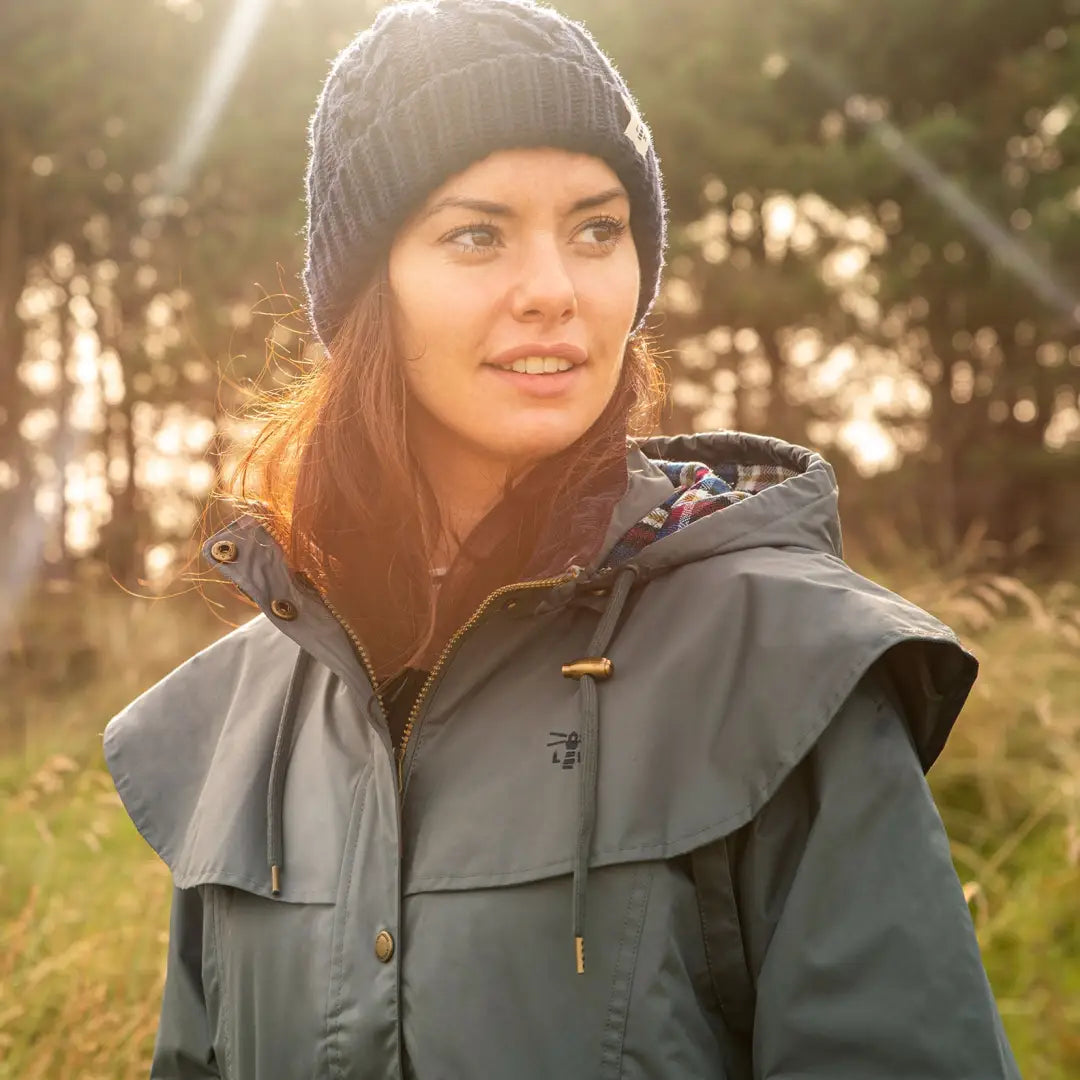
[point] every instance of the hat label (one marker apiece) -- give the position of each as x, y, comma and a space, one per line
636, 131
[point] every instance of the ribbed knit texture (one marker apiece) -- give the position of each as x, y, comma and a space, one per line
435, 85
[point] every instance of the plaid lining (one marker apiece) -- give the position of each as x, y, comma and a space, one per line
700, 491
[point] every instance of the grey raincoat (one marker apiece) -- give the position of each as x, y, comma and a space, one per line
704, 848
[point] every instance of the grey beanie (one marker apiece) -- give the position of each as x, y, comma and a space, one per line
435, 85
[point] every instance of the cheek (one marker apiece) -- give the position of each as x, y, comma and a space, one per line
411, 315
613, 294
433, 312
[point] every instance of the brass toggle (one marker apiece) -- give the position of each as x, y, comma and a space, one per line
599, 667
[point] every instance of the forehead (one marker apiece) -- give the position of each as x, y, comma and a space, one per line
526, 174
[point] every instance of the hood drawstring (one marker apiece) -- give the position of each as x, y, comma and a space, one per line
594, 666
588, 671
275, 794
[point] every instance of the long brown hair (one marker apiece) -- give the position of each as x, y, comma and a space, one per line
332, 477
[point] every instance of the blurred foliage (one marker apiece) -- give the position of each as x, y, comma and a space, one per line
875, 226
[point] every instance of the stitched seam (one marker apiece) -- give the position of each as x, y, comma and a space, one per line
209, 876
713, 981
614, 1028
334, 1062
216, 920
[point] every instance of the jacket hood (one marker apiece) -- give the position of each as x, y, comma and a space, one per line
773, 494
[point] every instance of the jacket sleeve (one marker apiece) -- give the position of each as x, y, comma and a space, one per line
854, 921
184, 1049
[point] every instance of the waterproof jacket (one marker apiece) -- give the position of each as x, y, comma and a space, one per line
662, 816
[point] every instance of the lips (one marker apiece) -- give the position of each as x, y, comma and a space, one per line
549, 386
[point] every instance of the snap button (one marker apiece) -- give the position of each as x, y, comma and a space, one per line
283, 609
224, 551
384, 946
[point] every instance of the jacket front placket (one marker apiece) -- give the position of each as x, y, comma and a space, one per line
363, 1021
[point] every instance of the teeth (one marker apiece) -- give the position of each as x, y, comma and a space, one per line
538, 365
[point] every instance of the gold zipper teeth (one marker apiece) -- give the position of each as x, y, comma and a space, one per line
455, 638
365, 659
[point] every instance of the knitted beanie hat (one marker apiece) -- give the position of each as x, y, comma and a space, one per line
435, 85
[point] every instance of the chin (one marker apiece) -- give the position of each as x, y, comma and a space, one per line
529, 442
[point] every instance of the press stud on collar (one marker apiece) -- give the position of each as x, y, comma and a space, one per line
224, 551
284, 609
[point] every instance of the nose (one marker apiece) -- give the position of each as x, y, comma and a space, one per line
544, 290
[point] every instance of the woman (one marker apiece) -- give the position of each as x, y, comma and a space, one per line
551, 754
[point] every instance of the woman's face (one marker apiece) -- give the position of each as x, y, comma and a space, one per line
515, 289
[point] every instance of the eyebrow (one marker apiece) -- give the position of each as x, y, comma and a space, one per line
494, 209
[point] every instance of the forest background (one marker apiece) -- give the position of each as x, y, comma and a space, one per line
875, 248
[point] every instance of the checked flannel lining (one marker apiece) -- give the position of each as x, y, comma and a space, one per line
700, 491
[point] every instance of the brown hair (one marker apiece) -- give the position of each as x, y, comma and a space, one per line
331, 476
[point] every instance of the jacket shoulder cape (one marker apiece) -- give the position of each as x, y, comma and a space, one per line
729, 670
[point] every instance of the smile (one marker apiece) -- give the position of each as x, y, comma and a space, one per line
537, 365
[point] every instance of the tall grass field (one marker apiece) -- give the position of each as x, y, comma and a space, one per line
84, 902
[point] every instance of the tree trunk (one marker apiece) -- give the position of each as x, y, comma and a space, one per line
121, 534
12, 276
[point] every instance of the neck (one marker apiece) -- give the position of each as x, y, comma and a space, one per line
466, 486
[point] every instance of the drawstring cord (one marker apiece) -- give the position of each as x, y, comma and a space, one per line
275, 795
587, 671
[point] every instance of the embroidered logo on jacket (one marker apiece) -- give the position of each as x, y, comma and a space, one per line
570, 744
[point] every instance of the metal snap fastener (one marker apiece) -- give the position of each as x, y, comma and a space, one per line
384, 946
283, 609
224, 551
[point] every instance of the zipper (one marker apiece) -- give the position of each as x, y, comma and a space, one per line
365, 659
450, 646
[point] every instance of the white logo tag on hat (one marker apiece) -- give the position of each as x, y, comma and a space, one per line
636, 131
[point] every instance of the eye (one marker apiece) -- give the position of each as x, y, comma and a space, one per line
474, 239
607, 231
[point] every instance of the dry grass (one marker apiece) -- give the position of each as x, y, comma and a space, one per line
1008, 786
82, 939
83, 901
